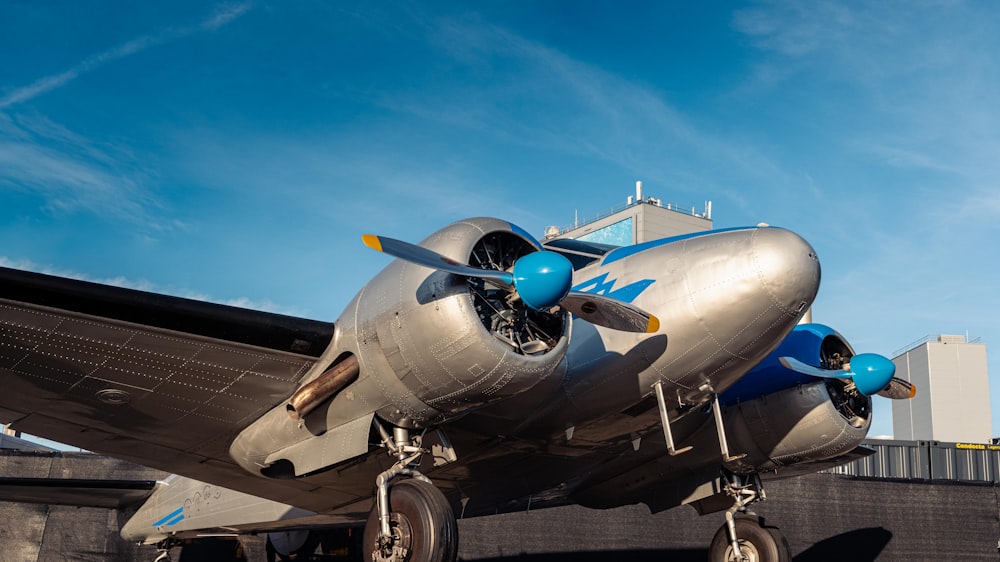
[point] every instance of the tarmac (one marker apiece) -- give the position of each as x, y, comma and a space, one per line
823, 516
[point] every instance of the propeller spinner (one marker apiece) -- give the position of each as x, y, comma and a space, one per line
871, 374
540, 279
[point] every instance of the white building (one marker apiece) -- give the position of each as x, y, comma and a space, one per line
953, 391
638, 220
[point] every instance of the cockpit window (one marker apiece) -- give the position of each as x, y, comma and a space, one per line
592, 248
579, 253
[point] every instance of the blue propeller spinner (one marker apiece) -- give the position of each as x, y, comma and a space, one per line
540, 279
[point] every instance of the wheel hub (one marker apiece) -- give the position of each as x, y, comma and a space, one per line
748, 552
397, 547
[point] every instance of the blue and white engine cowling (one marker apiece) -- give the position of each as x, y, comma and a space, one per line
779, 416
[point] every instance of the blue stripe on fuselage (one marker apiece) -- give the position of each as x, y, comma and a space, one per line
171, 515
601, 286
626, 251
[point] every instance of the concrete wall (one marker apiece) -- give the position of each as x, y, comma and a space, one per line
42, 533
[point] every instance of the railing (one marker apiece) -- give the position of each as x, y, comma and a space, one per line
928, 339
691, 211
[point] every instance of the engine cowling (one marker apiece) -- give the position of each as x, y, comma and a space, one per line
415, 347
779, 416
438, 344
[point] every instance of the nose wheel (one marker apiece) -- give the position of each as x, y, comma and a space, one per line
746, 538
755, 542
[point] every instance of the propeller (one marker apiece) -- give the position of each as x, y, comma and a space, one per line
540, 279
871, 374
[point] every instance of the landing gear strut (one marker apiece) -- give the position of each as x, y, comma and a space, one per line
411, 520
746, 538
163, 550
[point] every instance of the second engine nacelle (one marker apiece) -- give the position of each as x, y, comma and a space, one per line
779, 416
804, 423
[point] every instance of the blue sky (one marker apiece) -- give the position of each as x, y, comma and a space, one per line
236, 151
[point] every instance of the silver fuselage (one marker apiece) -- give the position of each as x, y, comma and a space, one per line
724, 299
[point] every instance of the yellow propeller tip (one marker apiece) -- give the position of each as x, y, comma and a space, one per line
654, 324
913, 391
372, 241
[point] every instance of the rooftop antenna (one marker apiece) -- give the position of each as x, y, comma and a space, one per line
638, 191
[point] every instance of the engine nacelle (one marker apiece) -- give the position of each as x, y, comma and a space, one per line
415, 347
437, 344
780, 417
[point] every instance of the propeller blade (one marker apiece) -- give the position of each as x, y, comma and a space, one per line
610, 313
794, 364
898, 389
870, 372
540, 279
429, 258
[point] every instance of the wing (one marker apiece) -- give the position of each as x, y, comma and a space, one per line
161, 381
110, 494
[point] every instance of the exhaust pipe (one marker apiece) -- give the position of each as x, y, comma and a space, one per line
322, 388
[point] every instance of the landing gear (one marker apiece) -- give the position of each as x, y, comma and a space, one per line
422, 526
411, 521
163, 549
746, 539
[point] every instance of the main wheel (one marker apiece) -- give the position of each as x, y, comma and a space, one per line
290, 545
422, 524
756, 543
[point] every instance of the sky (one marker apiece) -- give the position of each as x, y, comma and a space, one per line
236, 151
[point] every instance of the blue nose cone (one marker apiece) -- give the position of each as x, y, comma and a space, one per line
872, 372
542, 279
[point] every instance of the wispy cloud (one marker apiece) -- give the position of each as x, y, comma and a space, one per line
917, 85
73, 173
219, 18
529, 94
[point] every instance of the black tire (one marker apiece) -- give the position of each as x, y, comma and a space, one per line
295, 545
757, 543
423, 521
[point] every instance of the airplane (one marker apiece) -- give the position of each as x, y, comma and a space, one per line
480, 372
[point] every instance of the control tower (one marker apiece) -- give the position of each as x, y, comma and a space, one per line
639, 220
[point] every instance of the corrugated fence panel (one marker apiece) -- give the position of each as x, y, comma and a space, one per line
927, 460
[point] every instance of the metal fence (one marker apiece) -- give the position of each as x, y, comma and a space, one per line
927, 460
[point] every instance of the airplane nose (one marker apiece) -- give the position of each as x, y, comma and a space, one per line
787, 267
